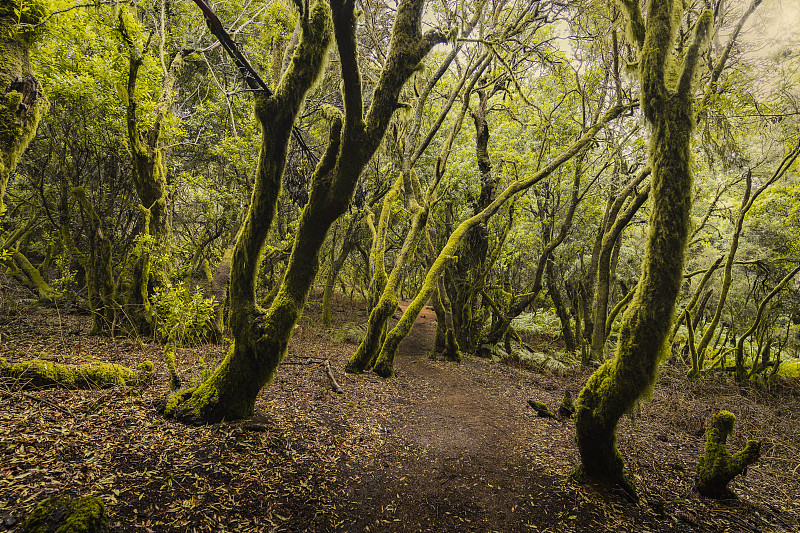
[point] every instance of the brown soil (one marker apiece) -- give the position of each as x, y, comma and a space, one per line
440, 447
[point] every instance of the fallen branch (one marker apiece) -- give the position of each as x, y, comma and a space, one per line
46, 374
329, 372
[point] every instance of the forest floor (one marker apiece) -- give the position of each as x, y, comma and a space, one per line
440, 447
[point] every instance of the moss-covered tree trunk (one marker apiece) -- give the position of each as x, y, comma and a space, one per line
383, 297
567, 333
616, 224
552, 240
22, 102
337, 263
741, 373
717, 468
469, 270
667, 104
99, 268
748, 200
46, 374
261, 337
384, 302
141, 273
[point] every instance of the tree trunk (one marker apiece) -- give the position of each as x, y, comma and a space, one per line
620, 382
40, 374
22, 103
261, 338
561, 310
612, 236
384, 366
141, 273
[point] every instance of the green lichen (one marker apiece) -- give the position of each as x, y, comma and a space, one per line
718, 467
65, 515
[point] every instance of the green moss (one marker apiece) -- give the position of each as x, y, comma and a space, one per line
621, 382
566, 408
65, 515
718, 467
21, 102
39, 373
169, 358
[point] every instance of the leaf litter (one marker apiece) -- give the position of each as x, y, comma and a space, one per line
440, 447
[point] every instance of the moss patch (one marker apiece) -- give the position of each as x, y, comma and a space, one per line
64, 515
718, 467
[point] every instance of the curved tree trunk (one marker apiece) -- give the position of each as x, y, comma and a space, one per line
611, 237
741, 374
261, 337
140, 273
616, 386
384, 366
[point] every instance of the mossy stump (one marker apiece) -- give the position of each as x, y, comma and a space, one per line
566, 408
718, 467
65, 515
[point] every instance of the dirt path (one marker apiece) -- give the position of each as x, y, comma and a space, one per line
460, 458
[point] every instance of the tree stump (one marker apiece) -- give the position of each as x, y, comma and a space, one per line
718, 467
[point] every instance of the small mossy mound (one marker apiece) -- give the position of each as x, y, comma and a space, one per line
541, 409
718, 467
47, 374
65, 515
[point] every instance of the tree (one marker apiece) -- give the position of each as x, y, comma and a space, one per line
23, 103
261, 336
384, 365
666, 100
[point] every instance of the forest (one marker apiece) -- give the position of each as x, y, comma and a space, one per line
399, 265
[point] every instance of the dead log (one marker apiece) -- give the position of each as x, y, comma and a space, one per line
47, 374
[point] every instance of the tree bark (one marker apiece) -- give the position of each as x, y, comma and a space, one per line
22, 102
384, 366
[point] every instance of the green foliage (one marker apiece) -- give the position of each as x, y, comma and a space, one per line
181, 316
350, 333
203, 375
538, 323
